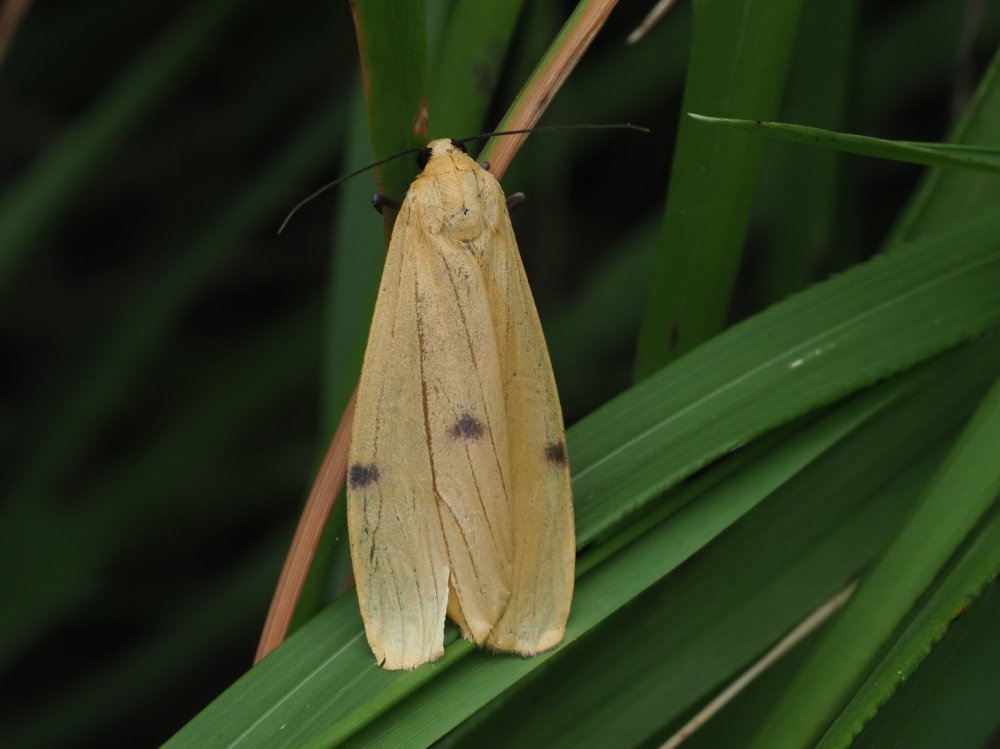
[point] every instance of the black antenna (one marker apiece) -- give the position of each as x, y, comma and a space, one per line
542, 129
331, 185
550, 128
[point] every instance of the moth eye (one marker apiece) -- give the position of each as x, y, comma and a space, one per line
459, 145
423, 156
485, 165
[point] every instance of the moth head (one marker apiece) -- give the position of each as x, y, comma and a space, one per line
440, 149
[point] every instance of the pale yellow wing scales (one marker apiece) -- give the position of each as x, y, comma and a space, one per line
400, 561
545, 547
458, 488
430, 429
466, 422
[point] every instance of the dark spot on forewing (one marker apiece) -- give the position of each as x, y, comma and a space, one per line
555, 452
361, 475
467, 427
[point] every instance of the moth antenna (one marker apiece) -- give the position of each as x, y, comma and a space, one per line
544, 128
549, 128
330, 185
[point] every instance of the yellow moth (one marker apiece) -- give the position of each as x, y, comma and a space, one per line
458, 487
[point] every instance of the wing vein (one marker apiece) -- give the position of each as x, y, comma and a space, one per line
482, 393
427, 431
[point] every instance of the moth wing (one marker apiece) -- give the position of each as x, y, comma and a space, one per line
542, 505
466, 424
397, 548
430, 518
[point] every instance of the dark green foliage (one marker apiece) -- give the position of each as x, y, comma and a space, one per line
174, 369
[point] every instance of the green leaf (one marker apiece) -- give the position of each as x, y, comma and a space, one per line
976, 567
800, 211
837, 337
949, 197
978, 158
807, 351
962, 491
111, 369
950, 700
630, 680
35, 202
331, 649
195, 630
714, 175
166, 426
392, 42
467, 65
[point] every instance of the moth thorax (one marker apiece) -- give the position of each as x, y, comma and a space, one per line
466, 223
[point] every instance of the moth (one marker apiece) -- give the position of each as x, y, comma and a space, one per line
458, 487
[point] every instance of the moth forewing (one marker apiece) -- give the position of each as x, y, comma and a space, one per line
458, 490
465, 422
545, 545
400, 562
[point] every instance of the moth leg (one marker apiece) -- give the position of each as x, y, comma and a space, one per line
514, 200
381, 202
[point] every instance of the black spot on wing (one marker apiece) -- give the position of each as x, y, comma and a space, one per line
467, 427
555, 453
361, 475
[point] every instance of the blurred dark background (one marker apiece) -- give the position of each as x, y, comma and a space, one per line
163, 349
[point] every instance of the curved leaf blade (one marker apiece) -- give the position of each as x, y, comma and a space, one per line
958, 155
962, 491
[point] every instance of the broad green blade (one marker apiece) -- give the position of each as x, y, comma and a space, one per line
740, 57
807, 351
671, 648
834, 514
977, 566
951, 699
962, 491
801, 204
466, 67
329, 655
392, 42
837, 337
